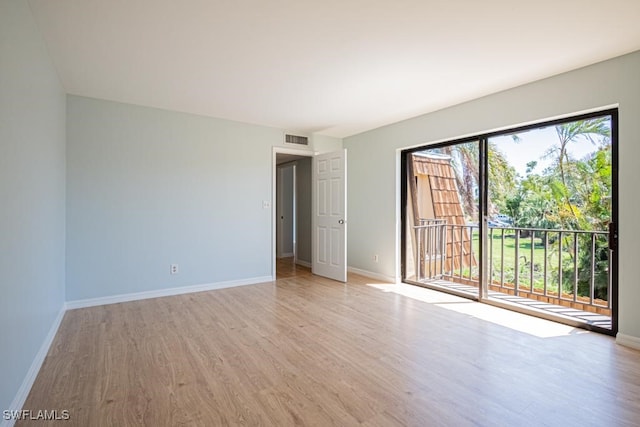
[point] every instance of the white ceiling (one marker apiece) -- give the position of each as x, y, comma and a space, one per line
336, 67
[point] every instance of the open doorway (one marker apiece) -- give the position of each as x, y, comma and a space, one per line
293, 214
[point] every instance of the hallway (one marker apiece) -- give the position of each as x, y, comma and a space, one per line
286, 268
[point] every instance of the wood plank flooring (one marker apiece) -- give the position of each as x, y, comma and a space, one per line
310, 351
286, 269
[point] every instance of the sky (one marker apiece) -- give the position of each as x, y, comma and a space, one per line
532, 146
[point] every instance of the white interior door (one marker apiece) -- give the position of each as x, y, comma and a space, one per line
330, 215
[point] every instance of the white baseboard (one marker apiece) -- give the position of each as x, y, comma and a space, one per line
303, 263
114, 299
32, 373
286, 255
628, 340
372, 275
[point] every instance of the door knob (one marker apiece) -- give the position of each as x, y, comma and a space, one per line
341, 221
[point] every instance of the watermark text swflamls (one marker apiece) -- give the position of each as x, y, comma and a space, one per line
42, 414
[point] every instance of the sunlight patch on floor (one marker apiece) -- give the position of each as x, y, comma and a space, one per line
510, 319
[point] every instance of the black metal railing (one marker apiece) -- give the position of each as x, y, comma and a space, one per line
567, 265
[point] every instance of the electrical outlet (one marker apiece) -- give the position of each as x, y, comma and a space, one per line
266, 204
375, 258
174, 269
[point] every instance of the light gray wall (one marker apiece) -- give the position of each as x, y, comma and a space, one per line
32, 191
373, 168
325, 144
147, 188
303, 206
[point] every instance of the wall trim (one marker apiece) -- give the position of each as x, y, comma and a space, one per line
628, 340
32, 373
286, 255
372, 275
114, 299
303, 263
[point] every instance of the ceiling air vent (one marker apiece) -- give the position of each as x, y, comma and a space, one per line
295, 139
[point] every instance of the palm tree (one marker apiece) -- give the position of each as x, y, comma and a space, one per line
466, 164
590, 130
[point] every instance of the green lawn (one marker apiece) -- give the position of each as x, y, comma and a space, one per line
496, 250
502, 250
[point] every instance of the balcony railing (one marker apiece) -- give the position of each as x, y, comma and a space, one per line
564, 267
431, 238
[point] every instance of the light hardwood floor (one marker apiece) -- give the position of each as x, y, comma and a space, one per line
309, 351
286, 269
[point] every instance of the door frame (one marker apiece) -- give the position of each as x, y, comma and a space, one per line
274, 216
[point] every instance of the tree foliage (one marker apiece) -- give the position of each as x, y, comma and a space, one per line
465, 159
572, 194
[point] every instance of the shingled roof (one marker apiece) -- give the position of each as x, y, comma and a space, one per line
442, 180
445, 200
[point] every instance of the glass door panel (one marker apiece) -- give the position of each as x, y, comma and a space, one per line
549, 210
442, 231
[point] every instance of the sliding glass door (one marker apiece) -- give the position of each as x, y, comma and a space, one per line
523, 218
